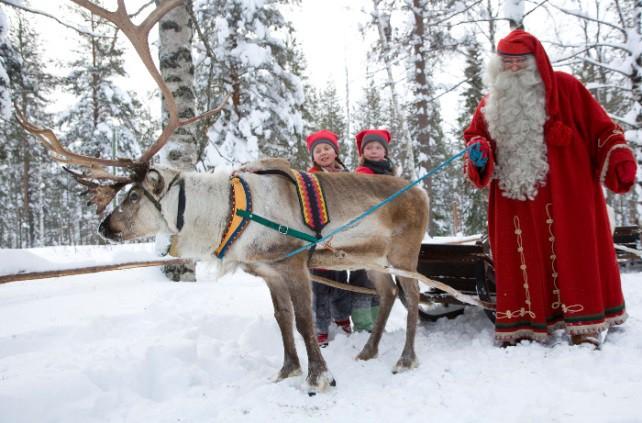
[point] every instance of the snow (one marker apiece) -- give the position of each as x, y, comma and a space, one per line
130, 346
514, 10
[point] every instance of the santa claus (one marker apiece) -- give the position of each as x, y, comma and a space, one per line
544, 146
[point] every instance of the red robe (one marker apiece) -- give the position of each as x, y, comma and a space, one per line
554, 257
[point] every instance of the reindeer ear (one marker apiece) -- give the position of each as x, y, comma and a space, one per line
155, 181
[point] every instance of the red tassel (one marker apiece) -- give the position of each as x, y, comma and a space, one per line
557, 134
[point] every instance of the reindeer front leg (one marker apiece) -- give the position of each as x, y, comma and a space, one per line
298, 278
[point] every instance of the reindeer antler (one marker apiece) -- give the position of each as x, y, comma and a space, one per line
94, 173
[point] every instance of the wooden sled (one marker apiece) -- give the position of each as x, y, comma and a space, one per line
469, 269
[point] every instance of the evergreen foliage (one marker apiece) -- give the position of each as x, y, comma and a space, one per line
29, 213
470, 201
253, 63
104, 120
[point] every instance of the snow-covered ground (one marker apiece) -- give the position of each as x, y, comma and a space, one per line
130, 346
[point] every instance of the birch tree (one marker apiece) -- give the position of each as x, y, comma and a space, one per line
177, 68
386, 51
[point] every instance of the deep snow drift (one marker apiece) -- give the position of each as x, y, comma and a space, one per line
130, 346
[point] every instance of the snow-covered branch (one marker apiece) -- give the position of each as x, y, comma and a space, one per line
589, 18
21, 6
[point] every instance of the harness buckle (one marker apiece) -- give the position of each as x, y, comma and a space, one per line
283, 229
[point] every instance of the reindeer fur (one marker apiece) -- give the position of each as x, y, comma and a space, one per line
389, 237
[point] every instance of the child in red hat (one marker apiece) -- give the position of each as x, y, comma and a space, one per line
328, 303
372, 145
323, 147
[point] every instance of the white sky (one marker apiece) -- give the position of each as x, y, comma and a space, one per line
329, 33
327, 30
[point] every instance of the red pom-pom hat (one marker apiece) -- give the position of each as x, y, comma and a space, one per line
322, 137
372, 135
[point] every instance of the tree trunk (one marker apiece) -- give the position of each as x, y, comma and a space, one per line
636, 85
421, 94
177, 69
492, 29
404, 137
27, 212
514, 11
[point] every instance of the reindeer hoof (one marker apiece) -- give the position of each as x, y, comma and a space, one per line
323, 381
285, 373
405, 364
366, 354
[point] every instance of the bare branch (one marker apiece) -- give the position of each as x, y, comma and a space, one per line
21, 6
589, 18
534, 8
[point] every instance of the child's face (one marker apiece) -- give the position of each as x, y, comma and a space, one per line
374, 151
324, 155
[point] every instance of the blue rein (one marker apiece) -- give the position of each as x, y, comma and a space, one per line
377, 206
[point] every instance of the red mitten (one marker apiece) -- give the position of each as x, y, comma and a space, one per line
620, 175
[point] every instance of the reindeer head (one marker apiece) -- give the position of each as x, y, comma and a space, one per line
132, 218
146, 208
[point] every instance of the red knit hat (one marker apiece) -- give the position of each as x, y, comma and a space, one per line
372, 135
322, 137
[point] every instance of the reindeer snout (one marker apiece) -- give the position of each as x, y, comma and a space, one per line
105, 231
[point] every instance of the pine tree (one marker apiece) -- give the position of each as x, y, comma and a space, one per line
29, 174
5, 61
296, 64
104, 120
473, 202
331, 115
250, 63
370, 113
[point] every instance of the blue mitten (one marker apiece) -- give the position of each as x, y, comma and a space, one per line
478, 157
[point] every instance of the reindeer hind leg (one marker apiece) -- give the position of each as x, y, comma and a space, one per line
387, 293
406, 256
408, 359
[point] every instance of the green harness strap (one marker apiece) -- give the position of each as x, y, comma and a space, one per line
282, 229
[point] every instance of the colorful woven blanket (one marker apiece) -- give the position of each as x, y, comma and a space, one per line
312, 201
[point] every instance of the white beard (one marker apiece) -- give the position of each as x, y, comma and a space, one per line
516, 113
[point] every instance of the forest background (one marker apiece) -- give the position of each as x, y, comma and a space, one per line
291, 67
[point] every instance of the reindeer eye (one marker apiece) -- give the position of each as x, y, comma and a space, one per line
134, 196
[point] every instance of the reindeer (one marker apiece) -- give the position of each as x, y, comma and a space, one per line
195, 209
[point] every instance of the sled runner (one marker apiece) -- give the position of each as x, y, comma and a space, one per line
466, 268
627, 238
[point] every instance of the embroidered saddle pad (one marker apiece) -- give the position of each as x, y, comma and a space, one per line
312, 201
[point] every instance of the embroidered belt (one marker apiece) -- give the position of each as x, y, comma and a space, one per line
240, 199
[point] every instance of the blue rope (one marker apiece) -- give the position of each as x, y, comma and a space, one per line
377, 206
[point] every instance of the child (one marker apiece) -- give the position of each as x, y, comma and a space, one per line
372, 146
328, 302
